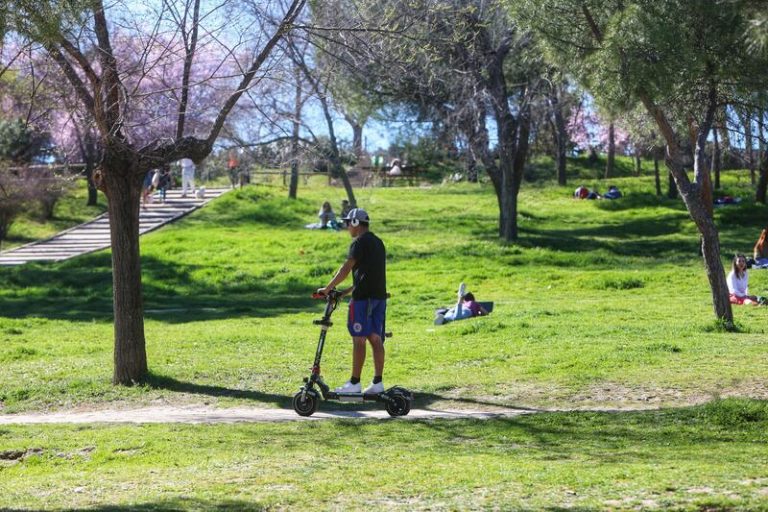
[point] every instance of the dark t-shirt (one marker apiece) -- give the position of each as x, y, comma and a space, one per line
369, 275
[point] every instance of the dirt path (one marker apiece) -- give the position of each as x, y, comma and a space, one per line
201, 414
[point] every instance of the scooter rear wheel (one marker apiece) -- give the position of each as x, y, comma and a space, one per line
306, 405
400, 405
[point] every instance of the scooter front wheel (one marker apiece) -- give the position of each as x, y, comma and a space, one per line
400, 405
305, 405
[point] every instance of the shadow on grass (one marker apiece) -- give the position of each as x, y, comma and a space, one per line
192, 504
421, 400
641, 238
173, 505
82, 290
170, 384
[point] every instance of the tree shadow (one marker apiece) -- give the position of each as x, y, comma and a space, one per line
163, 382
180, 504
640, 238
82, 290
638, 200
427, 400
421, 400
612, 436
186, 504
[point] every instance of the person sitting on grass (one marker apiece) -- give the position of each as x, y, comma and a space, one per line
584, 193
738, 283
581, 192
613, 193
466, 307
760, 252
327, 217
345, 209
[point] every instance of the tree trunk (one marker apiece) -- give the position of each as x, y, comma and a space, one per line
508, 228
611, 160
357, 139
725, 139
338, 168
561, 137
710, 248
638, 163
294, 184
699, 204
762, 183
716, 158
471, 168
513, 142
656, 174
509, 181
672, 191
123, 189
748, 142
93, 192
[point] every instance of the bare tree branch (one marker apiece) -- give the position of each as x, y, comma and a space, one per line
290, 16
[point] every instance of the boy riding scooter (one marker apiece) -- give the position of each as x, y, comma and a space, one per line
368, 308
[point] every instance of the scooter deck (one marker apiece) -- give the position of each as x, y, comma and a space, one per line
354, 397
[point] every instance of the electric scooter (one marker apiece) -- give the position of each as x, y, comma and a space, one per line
396, 399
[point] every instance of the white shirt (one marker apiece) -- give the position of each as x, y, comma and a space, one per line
738, 286
187, 165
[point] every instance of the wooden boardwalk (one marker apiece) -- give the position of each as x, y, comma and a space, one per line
94, 235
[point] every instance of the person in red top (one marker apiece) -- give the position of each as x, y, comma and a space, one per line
581, 193
233, 168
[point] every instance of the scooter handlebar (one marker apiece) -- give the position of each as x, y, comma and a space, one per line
333, 294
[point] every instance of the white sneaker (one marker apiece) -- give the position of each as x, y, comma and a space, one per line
462, 290
374, 389
348, 387
439, 319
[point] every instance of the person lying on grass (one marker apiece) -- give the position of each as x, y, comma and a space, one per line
738, 283
466, 307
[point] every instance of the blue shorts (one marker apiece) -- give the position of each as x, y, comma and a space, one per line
366, 317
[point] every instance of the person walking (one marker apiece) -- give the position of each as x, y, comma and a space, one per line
187, 176
366, 260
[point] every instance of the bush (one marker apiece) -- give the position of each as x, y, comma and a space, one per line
19, 143
21, 189
16, 192
49, 188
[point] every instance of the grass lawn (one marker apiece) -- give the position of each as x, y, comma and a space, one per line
600, 305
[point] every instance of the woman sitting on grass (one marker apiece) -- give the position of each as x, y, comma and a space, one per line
761, 249
738, 283
327, 217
